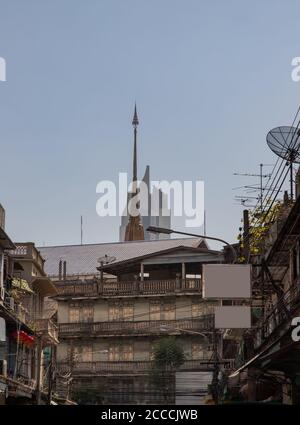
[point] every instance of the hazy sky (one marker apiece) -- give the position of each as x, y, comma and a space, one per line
210, 78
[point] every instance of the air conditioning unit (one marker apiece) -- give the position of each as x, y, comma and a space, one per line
3, 368
10, 302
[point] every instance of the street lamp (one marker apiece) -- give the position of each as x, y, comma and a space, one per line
169, 328
154, 229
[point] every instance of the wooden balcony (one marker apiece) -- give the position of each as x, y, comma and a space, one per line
127, 288
20, 386
17, 312
28, 251
136, 367
138, 328
48, 330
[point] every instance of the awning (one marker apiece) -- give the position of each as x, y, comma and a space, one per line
44, 286
5, 241
21, 284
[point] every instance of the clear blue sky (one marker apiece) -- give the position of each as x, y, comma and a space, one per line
210, 79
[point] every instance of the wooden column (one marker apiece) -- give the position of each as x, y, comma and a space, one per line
142, 272
182, 274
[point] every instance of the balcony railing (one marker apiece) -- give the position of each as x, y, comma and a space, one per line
125, 288
47, 329
18, 311
28, 251
17, 383
135, 367
126, 328
278, 316
44, 327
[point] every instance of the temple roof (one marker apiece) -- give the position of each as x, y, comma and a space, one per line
83, 259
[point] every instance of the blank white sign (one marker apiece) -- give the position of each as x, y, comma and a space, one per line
226, 281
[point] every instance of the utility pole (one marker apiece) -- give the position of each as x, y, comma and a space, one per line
51, 373
39, 369
246, 235
215, 378
71, 365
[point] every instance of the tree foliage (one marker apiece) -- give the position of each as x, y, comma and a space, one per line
260, 224
168, 354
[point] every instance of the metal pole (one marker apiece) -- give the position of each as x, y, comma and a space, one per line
261, 187
210, 238
291, 180
50, 382
39, 370
215, 379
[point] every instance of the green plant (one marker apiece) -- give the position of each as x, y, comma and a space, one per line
168, 356
260, 224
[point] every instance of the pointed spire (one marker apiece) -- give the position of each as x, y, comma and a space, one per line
135, 123
135, 120
134, 229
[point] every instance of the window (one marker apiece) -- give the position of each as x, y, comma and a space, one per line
81, 313
197, 351
82, 353
113, 354
87, 314
197, 310
87, 353
169, 312
155, 311
74, 314
128, 312
127, 353
120, 353
113, 312
120, 312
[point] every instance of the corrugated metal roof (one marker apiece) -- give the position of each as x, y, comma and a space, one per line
83, 259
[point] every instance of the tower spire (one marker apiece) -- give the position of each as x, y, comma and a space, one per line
135, 123
134, 229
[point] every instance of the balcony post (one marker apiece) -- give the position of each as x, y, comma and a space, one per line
141, 283
177, 282
183, 275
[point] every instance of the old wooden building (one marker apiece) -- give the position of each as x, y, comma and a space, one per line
115, 300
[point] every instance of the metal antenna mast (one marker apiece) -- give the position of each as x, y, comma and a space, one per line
261, 176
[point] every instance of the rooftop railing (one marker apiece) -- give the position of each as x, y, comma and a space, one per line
127, 288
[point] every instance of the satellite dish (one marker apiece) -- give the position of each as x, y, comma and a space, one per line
285, 142
106, 259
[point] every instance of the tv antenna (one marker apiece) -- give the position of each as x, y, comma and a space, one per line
259, 186
246, 200
284, 142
